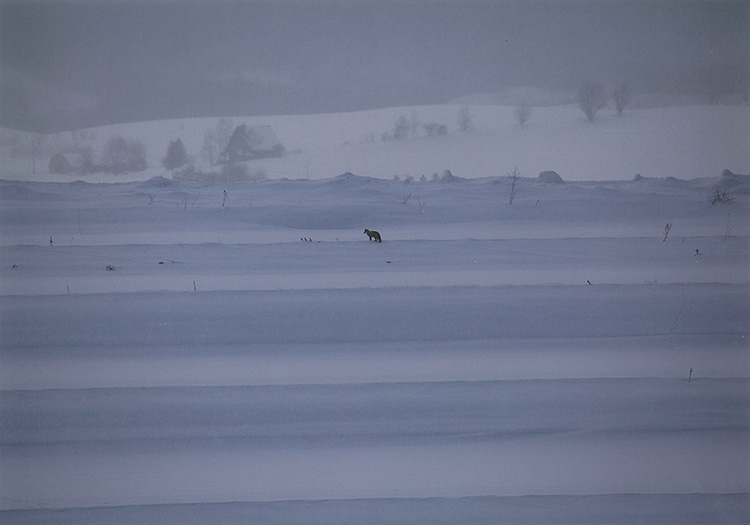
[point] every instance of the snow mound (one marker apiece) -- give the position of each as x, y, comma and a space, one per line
550, 177
447, 176
157, 182
734, 181
349, 177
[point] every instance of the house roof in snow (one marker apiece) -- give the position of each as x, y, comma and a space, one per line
267, 137
257, 138
251, 142
75, 159
67, 161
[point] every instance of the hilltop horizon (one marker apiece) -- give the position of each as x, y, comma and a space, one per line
684, 142
72, 65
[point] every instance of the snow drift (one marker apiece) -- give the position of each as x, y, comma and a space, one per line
171, 352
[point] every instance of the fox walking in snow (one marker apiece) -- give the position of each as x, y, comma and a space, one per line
373, 235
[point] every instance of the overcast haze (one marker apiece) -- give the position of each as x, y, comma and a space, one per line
75, 64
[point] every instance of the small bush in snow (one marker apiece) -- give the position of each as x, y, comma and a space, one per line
720, 195
404, 199
434, 129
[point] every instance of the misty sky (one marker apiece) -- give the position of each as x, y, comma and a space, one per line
70, 64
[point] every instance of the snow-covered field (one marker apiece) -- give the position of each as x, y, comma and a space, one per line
685, 142
172, 356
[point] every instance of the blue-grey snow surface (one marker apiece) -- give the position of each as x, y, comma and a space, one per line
577, 356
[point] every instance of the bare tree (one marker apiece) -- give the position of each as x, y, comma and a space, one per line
115, 154
402, 128
136, 156
464, 119
414, 124
591, 98
621, 96
514, 177
523, 113
216, 139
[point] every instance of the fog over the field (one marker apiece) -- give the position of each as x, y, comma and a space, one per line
68, 65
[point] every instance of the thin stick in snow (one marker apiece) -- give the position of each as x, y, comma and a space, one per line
514, 177
666, 231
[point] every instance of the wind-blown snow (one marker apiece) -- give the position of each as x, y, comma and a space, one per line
684, 142
170, 357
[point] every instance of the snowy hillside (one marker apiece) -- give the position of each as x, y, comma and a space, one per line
178, 352
683, 142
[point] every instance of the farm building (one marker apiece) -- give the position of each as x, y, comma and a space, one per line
69, 162
251, 142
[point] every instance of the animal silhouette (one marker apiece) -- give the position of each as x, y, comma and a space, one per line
373, 235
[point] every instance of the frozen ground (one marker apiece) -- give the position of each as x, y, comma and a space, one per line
488, 362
